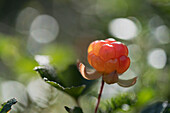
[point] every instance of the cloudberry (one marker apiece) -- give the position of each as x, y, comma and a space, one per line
107, 56
109, 59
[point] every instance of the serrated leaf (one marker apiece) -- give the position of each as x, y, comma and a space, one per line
158, 107
6, 107
70, 80
73, 110
73, 91
47, 72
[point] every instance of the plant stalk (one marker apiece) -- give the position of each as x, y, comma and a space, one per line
99, 96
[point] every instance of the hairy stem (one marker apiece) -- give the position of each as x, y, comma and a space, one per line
99, 96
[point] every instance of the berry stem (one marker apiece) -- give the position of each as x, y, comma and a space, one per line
99, 96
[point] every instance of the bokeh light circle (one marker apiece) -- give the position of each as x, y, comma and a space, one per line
162, 34
44, 29
123, 28
25, 18
157, 58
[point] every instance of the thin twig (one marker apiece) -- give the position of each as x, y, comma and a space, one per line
99, 96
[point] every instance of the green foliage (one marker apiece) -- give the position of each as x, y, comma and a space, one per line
145, 95
72, 77
47, 72
72, 91
18, 54
158, 107
70, 80
116, 104
6, 107
73, 110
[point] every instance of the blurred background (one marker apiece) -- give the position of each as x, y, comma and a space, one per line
58, 32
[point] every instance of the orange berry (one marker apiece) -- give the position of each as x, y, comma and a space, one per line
111, 65
97, 46
97, 63
126, 50
91, 46
110, 40
124, 63
89, 57
107, 56
107, 52
120, 49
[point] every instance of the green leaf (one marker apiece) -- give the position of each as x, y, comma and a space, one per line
73, 110
72, 77
158, 107
145, 95
73, 91
70, 80
47, 72
6, 107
